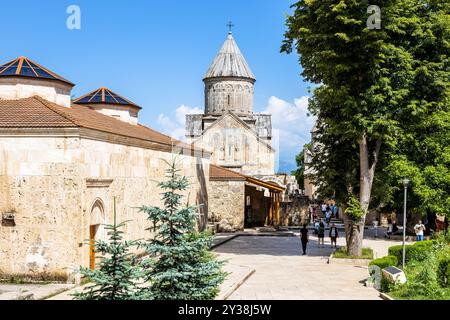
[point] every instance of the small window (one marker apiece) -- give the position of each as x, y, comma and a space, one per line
228, 100
248, 201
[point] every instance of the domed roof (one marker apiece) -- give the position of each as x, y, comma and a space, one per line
104, 96
229, 62
24, 67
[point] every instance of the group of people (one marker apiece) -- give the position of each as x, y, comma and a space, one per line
328, 212
319, 230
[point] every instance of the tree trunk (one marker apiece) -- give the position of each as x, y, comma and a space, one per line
367, 172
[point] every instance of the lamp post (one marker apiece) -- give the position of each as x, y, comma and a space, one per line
405, 185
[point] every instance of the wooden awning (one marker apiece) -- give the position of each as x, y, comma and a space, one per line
272, 187
217, 173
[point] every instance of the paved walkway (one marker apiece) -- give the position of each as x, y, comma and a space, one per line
281, 273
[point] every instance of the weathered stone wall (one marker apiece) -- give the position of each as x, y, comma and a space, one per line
295, 212
236, 147
223, 95
55, 185
226, 202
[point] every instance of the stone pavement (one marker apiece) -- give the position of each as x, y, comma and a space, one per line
282, 273
31, 291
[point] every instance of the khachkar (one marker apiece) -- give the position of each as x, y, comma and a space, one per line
239, 139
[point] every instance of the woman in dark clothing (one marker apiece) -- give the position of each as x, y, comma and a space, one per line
334, 234
304, 238
321, 234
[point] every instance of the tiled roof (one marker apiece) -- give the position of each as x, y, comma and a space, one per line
30, 113
221, 174
24, 67
36, 112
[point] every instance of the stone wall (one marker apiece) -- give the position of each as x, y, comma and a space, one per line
226, 202
223, 95
55, 186
235, 146
18, 88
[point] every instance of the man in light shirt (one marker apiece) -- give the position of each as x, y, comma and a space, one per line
419, 228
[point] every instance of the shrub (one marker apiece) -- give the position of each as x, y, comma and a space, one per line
397, 251
418, 251
444, 272
384, 262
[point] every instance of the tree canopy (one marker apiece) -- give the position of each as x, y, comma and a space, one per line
381, 93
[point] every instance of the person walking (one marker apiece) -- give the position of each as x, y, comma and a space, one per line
304, 238
419, 228
316, 227
328, 215
321, 234
334, 235
375, 227
388, 232
324, 208
334, 210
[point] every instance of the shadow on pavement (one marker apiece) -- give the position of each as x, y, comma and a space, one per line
273, 246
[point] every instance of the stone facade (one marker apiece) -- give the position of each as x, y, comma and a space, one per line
236, 146
57, 185
122, 113
235, 95
226, 202
19, 88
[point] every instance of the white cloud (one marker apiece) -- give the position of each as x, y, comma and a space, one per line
292, 124
176, 127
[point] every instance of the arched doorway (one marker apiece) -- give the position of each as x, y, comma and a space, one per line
95, 229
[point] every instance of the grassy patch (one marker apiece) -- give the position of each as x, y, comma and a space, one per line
404, 293
341, 253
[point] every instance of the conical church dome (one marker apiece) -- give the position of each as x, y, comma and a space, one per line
229, 62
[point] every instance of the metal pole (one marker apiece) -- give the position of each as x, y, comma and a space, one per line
404, 229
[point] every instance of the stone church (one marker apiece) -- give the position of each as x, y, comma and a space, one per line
244, 189
62, 164
238, 138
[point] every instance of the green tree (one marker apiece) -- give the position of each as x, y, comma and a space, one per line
118, 274
179, 264
299, 173
366, 80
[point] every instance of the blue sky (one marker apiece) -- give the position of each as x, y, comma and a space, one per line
156, 52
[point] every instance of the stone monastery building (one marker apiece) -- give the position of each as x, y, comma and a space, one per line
64, 161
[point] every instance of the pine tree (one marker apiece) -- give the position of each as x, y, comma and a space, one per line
118, 273
179, 265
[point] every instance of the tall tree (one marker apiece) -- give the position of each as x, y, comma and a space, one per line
299, 173
422, 147
366, 78
179, 264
